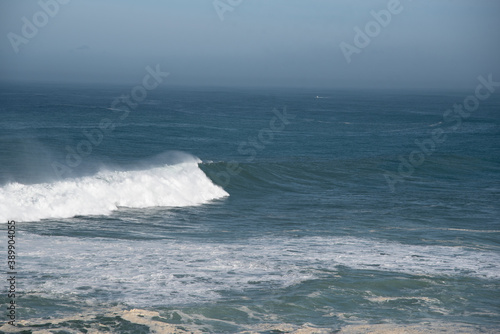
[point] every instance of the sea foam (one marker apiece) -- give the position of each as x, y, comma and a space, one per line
168, 272
181, 184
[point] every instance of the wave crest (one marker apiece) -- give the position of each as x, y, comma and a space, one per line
177, 185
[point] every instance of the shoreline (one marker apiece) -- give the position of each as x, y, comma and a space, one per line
118, 319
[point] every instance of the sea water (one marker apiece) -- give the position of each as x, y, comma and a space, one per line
250, 210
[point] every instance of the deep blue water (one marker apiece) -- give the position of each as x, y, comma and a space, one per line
226, 210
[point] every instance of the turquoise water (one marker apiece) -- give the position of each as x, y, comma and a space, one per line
225, 211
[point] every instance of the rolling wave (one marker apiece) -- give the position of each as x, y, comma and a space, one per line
291, 176
177, 185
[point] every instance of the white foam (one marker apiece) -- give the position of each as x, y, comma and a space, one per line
182, 184
169, 272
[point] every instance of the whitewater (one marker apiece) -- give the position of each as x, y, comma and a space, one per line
176, 185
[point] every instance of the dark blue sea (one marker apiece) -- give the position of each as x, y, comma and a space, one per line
224, 210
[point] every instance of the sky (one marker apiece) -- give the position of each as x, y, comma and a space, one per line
424, 44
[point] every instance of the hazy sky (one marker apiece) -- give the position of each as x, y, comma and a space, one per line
428, 43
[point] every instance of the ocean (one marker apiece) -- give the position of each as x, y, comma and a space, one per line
224, 210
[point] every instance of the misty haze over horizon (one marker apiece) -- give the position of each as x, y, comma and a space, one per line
426, 45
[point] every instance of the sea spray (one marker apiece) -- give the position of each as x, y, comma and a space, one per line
181, 184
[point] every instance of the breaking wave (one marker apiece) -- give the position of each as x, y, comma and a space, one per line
176, 185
